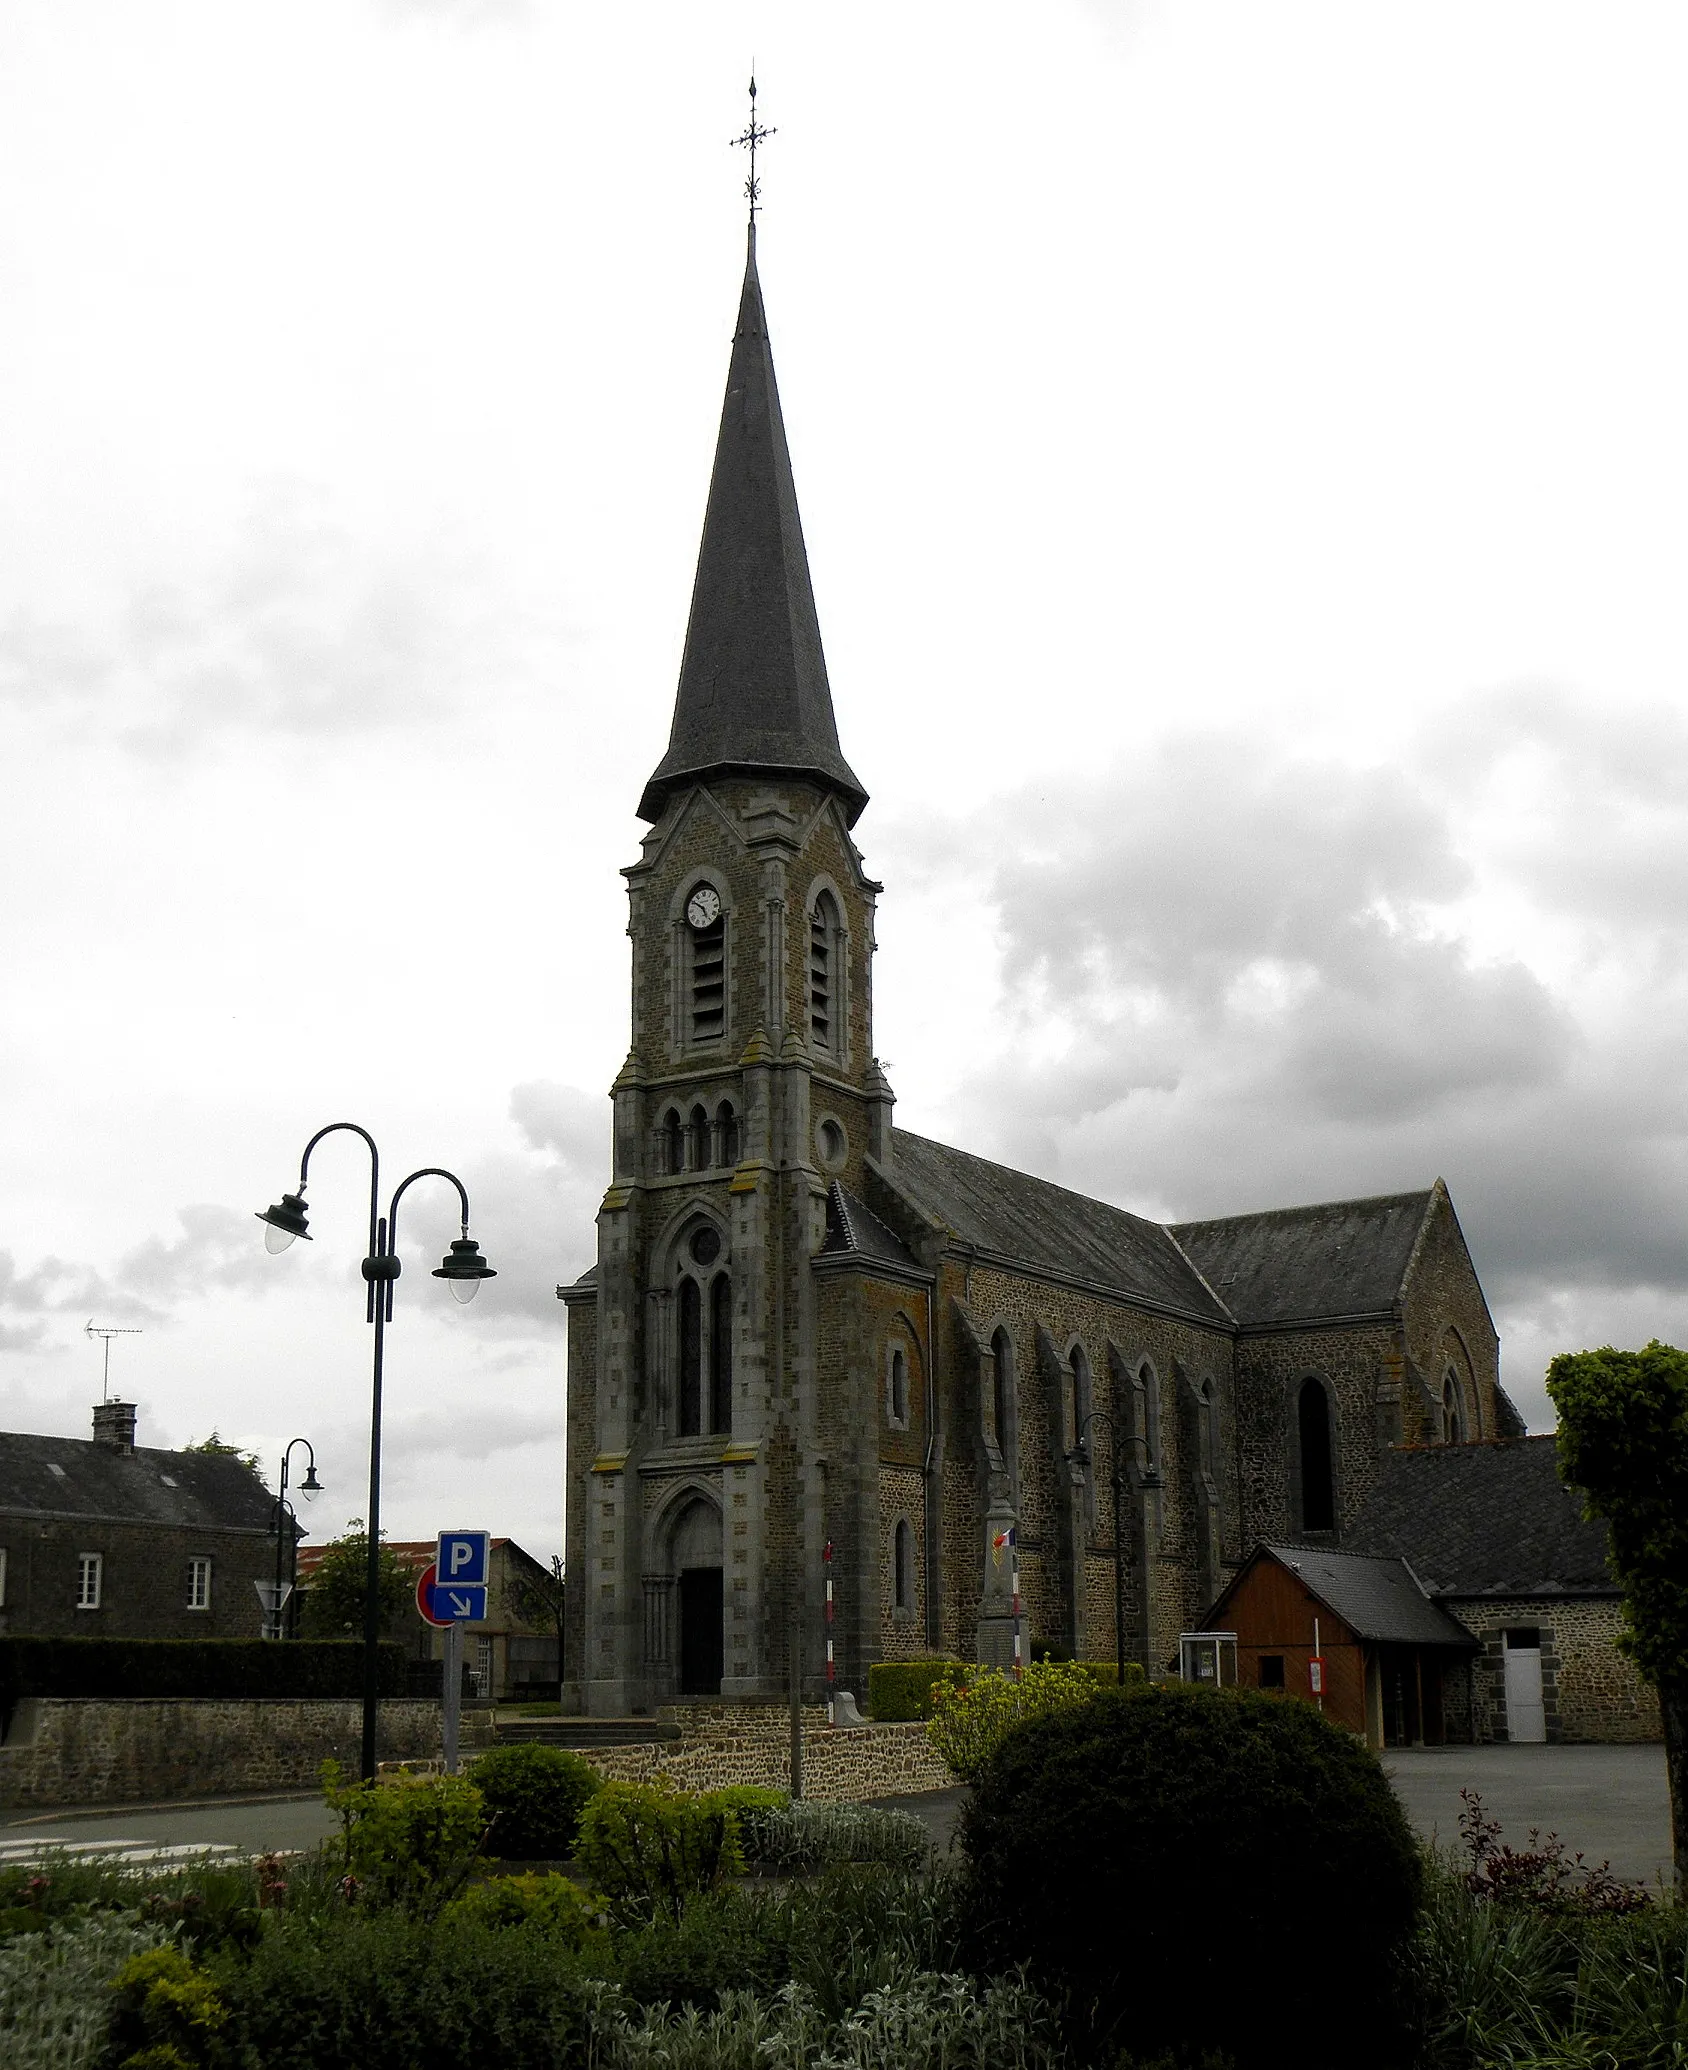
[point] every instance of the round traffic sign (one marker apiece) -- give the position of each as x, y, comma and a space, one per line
425, 1597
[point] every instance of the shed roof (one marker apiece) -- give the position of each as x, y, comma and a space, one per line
1377, 1598
1032, 1223
1485, 1519
1341, 1257
82, 1477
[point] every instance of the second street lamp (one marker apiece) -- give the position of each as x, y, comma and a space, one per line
309, 1486
463, 1268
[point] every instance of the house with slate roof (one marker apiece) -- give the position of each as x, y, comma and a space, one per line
102, 1538
825, 1371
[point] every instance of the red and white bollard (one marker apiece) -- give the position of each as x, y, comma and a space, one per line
831, 1665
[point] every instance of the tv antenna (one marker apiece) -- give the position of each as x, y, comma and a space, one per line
91, 1329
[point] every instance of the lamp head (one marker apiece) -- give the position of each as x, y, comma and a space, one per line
284, 1221
310, 1485
463, 1268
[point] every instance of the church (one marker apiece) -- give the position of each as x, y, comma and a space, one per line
824, 1367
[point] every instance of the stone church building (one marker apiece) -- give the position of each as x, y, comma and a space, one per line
809, 1329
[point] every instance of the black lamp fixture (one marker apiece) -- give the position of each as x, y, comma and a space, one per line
310, 1485
284, 1221
463, 1268
287, 1542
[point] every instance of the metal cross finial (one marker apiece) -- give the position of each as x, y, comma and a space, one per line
754, 134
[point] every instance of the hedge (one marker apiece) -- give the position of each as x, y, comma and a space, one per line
898, 1690
190, 1667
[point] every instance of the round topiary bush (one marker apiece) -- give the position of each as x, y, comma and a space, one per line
535, 1796
1198, 1871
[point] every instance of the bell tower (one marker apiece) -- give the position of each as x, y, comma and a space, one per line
695, 1376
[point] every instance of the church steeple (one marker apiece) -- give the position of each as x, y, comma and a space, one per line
753, 698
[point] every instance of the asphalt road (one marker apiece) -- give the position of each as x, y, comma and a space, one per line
1610, 1802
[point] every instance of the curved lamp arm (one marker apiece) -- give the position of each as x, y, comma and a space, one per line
374, 1194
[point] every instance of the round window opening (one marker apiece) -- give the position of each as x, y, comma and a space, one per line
706, 1246
832, 1143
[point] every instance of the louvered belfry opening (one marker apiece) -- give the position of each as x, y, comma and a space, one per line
823, 926
709, 980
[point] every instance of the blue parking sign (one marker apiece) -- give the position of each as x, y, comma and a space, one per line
464, 1559
460, 1602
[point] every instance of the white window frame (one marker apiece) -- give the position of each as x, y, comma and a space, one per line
199, 1572
90, 1568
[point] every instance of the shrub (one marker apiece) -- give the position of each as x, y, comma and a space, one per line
1249, 1854
413, 1841
165, 2013
549, 1904
900, 1690
796, 1839
1543, 1876
969, 1719
649, 1847
535, 1796
55, 2004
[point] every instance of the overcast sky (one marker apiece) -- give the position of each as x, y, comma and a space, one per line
1242, 455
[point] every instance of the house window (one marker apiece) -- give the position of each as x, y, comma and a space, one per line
897, 1387
1271, 1671
902, 1566
1318, 1485
706, 936
88, 1573
483, 1666
823, 957
199, 1584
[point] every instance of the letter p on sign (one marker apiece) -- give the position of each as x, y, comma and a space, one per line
464, 1558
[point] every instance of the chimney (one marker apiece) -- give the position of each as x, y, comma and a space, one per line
114, 1425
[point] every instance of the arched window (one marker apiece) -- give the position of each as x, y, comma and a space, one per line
1318, 1484
727, 1130
902, 1565
1002, 1396
823, 957
1149, 1382
896, 1387
691, 1358
698, 1140
673, 1142
706, 960
1453, 1412
1083, 1440
721, 1353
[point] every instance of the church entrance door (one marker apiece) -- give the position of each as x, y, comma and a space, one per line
702, 1645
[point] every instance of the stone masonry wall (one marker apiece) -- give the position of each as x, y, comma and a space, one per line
1590, 1691
726, 1744
135, 1750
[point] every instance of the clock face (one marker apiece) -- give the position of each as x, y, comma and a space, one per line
703, 908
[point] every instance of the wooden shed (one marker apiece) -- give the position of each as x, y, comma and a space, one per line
1386, 1648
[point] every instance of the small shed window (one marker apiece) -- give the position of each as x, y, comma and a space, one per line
1271, 1671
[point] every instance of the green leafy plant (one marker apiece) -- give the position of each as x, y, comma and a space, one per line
970, 1718
1217, 1836
333, 1604
166, 2014
412, 1840
1543, 1876
797, 1839
534, 1796
1623, 1441
649, 1847
899, 1691
550, 1904
55, 2001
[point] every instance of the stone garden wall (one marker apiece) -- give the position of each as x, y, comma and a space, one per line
115, 1750
722, 1744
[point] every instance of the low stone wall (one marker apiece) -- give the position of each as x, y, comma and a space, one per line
1590, 1691
135, 1750
723, 1744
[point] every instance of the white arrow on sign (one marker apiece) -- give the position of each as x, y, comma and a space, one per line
461, 1605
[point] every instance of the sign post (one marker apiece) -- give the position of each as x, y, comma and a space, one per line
273, 1595
449, 1594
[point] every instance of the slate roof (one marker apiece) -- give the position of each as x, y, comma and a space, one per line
1486, 1519
753, 697
1344, 1257
1029, 1222
853, 1230
197, 1490
1376, 1598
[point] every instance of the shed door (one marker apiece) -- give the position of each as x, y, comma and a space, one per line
1525, 1717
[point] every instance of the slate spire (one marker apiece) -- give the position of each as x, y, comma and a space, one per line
753, 697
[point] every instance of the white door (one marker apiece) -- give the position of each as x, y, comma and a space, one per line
1525, 1717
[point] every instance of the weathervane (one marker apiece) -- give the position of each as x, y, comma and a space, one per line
754, 134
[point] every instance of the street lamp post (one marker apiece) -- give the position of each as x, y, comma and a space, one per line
310, 1485
463, 1268
1116, 1482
